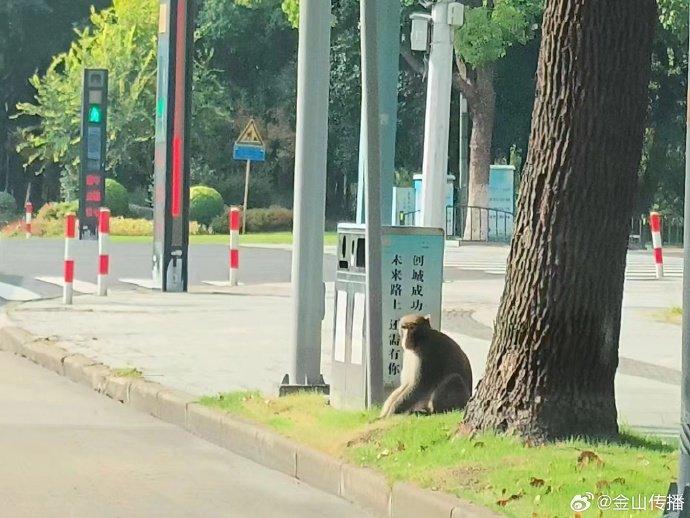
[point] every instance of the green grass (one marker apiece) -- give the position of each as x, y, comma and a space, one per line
499, 472
264, 238
128, 372
672, 315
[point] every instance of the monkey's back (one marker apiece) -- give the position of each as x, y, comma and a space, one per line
441, 357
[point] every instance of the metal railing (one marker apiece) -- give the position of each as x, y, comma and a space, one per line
471, 223
671, 231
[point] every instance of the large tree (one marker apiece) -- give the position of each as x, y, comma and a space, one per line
551, 366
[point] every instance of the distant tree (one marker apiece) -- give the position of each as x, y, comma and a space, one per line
123, 40
31, 32
551, 366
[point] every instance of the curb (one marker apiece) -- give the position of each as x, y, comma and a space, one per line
364, 487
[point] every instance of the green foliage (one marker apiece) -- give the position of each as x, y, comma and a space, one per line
272, 219
205, 203
8, 205
123, 40
488, 32
116, 198
57, 211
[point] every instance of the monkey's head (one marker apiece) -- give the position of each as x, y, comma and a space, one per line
410, 325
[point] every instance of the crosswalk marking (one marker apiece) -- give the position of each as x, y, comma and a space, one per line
13, 293
87, 288
637, 268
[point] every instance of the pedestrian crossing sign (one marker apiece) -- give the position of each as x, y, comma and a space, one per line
250, 145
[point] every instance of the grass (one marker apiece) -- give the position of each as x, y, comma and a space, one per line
263, 238
128, 372
499, 472
672, 315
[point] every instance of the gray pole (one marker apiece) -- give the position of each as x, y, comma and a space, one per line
388, 43
308, 290
372, 200
437, 123
464, 152
684, 461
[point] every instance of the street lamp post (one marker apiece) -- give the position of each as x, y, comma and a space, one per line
308, 289
445, 15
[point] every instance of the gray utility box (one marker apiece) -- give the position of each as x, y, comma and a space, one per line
412, 278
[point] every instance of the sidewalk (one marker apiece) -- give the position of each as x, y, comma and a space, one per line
218, 339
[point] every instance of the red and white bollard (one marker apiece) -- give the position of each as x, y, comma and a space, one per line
28, 213
103, 256
655, 227
70, 232
234, 225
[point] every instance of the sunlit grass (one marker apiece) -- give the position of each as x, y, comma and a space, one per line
499, 472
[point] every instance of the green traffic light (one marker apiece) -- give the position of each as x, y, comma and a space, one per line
95, 114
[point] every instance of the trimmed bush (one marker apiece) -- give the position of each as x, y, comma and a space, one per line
205, 203
272, 219
116, 198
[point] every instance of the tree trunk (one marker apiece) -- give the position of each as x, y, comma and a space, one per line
483, 112
551, 367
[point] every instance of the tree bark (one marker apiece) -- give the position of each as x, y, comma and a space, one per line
551, 366
483, 113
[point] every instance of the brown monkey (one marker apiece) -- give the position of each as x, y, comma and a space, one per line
436, 375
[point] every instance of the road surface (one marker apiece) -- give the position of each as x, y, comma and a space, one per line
67, 451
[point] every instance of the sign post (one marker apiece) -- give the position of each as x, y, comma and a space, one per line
171, 164
250, 147
94, 115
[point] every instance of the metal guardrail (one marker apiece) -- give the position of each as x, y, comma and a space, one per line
471, 223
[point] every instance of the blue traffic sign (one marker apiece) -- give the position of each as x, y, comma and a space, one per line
249, 152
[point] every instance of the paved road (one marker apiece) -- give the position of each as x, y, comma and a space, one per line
29, 269
67, 451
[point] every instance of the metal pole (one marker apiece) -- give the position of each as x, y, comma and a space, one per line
388, 27
464, 154
437, 122
308, 289
370, 60
246, 196
684, 461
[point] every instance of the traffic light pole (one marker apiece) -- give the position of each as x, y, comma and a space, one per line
311, 146
171, 164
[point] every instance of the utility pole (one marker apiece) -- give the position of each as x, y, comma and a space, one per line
308, 289
445, 15
388, 45
372, 205
684, 461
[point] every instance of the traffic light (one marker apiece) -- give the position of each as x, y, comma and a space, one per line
93, 149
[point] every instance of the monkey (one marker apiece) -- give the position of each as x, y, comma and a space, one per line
436, 375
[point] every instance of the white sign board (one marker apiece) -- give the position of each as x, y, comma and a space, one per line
412, 279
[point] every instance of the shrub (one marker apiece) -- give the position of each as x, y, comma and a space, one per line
272, 219
116, 198
56, 211
8, 206
131, 227
140, 212
205, 203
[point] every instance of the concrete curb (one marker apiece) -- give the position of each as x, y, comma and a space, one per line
361, 486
